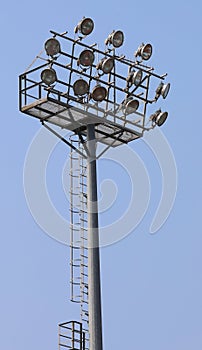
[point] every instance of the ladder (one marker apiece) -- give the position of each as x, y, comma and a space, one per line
79, 239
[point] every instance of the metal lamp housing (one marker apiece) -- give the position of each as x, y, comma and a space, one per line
116, 38
161, 118
106, 65
131, 106
99, 93
48, 76
86, 58
137, 77
52, 47
145, 51
85, 26
165, 90
162, 90
80, 87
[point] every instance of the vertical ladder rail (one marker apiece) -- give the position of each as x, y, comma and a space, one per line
84, 250
75, 243
79, 237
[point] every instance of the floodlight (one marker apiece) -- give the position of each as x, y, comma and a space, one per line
48, 76
86, 58
116, 38
99, 93
106, 64
134, 77
130, 106
85, 26
145, 51
159, 117
52, 47
162, 90
80, 87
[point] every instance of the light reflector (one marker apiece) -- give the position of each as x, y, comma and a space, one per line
86, 58
85, 26
80, 87
48, 76
52, 47
130, 106
134, 77
106, 65
99, 93
116, 38
159, 117
162, 90
145, 51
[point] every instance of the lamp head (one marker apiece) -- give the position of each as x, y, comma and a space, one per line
130, 106
86, 58
162, 90
99, 93
52, 47
48, 76
106, 65
85, 26
134, 77
144, 51
80, 87
116, 38
159, 117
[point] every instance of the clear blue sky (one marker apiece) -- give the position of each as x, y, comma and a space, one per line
151, 284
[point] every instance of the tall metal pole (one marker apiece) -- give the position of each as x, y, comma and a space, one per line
94, 290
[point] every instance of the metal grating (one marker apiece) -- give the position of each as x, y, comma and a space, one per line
73, 118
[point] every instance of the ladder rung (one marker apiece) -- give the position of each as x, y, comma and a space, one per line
74, 301
84, 265
66, 346
84, 220
65, 336
72, 226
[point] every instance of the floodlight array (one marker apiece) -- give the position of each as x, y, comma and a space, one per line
79, 74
